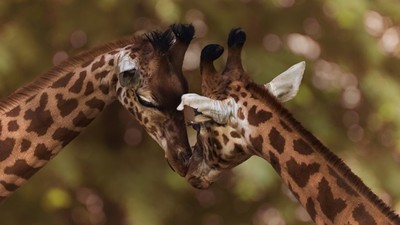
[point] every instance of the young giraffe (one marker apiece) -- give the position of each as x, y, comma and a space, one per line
247, 120
143, 73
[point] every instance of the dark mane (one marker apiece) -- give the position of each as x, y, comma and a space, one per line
263, 95
46, 79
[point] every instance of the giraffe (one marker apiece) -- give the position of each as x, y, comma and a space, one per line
239, 118
144, 73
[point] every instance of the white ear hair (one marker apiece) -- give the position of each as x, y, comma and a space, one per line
286, 85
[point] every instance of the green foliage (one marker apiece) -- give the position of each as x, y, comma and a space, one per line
349, 100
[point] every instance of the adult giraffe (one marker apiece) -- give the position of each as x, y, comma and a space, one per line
241, 118
144, 73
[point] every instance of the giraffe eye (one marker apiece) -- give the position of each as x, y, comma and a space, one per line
146, 102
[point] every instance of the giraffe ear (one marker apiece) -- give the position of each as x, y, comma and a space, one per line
286, 85
129, 78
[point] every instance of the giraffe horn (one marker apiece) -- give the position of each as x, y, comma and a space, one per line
161, 41
236, 40
184, 34
210, 53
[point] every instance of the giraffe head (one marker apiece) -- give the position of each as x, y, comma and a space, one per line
150, 85
220, 144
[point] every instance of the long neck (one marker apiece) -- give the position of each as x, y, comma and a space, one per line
322, 183
41, 118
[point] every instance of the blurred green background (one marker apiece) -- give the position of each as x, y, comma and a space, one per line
114, 174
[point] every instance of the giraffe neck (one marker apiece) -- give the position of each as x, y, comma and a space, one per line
322, 183
38, 120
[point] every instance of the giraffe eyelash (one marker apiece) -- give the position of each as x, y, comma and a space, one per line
147, 102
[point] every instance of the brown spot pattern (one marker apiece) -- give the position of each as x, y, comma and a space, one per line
101, 75
310, 207
42, 152
25, 145
362, 216
95, 103
238, 149
99, 63
63, 81
256, 118
301, 173
240, 113
9, 186
89, 88
276, 140
302, 147
275, 162
40, 118
64, 135
330, 206
21, 169
6, 147
235, 97
81, 120
14, 112
235, 134
257, 143
225, 139
66, 106
77, 87
13, 125
104, 89
238, 88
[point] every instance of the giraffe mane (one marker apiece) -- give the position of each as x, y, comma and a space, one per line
262, 94
47, 78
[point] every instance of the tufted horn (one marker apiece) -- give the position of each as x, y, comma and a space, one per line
184, 34
236, 40
210, 53
210, 79
161, 41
